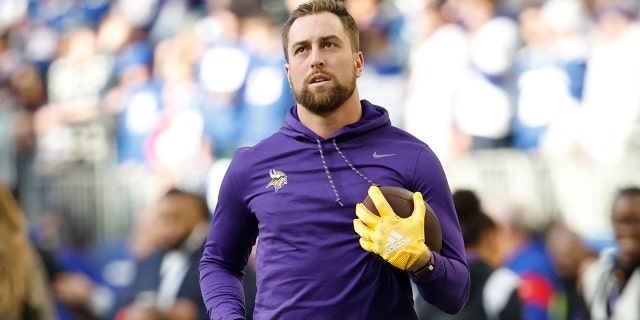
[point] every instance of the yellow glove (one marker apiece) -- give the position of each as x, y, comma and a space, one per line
399, 241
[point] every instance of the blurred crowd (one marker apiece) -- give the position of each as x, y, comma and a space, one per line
151, 95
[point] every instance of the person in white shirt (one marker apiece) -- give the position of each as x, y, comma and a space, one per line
611, 284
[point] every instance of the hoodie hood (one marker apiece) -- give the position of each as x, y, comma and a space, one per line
373, 117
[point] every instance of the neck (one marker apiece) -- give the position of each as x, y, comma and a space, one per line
328, 124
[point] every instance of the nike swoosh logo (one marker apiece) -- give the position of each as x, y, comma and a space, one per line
378, 156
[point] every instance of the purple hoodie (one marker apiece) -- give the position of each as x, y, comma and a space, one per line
298, 191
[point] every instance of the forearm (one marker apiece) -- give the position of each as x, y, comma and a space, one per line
447, 286
222, 292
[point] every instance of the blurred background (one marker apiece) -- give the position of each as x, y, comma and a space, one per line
106, 105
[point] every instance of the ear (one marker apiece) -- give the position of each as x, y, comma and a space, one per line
286, 70
359, 63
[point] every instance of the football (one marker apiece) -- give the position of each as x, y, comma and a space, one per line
401, 200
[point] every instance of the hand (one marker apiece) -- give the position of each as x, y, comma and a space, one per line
73, 289
399, 241
183, 309
138, 312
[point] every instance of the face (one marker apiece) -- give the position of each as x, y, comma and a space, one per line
322, 67
177, 216
492, 247
626, 225
566, 249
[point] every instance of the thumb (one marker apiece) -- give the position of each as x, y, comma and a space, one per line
419, 208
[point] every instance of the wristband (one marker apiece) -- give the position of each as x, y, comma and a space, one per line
427, 267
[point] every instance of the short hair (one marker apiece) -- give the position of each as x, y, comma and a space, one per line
318, 6
197, 199
625, 192
474, 222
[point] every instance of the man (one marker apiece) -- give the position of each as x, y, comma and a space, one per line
494, 288
166, 284
525, 253
298, 189
611, 285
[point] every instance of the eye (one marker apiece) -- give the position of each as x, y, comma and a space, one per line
329, 45
299, 50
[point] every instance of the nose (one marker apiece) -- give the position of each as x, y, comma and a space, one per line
317, 59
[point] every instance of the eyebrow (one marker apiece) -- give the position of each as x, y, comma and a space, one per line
322, 39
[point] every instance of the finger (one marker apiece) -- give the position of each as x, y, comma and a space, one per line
361, 229
381, 203
366, 216
366, 244
419, 208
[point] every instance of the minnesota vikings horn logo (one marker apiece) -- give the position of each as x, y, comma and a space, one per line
278, 179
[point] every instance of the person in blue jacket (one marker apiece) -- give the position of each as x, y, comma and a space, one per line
298, 194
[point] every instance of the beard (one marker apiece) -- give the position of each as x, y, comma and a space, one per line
326, 100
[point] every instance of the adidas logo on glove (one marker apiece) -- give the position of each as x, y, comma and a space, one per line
395, 241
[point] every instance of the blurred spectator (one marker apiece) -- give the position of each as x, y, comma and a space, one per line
568, 250
136, 104
382, 37
78, 76
114, 33
78, 288
21, 93
37, 42
13, 11
173, 17
611, 96
92, 298
494, 289
526, 254
8, 158
24, 286
141, 14
31, 93
549, 75
85, 298
166, 283
10, 59
436, 68
611, 284
266, 96
177, 146
221, 71
70, 128
116, 264
144, 238
483, 108
383, 42
64, 15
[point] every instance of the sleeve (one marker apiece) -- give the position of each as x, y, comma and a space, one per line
232, 233
447, 286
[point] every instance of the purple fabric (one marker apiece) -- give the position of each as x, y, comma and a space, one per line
309, 262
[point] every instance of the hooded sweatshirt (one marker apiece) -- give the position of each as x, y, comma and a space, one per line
298, 192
